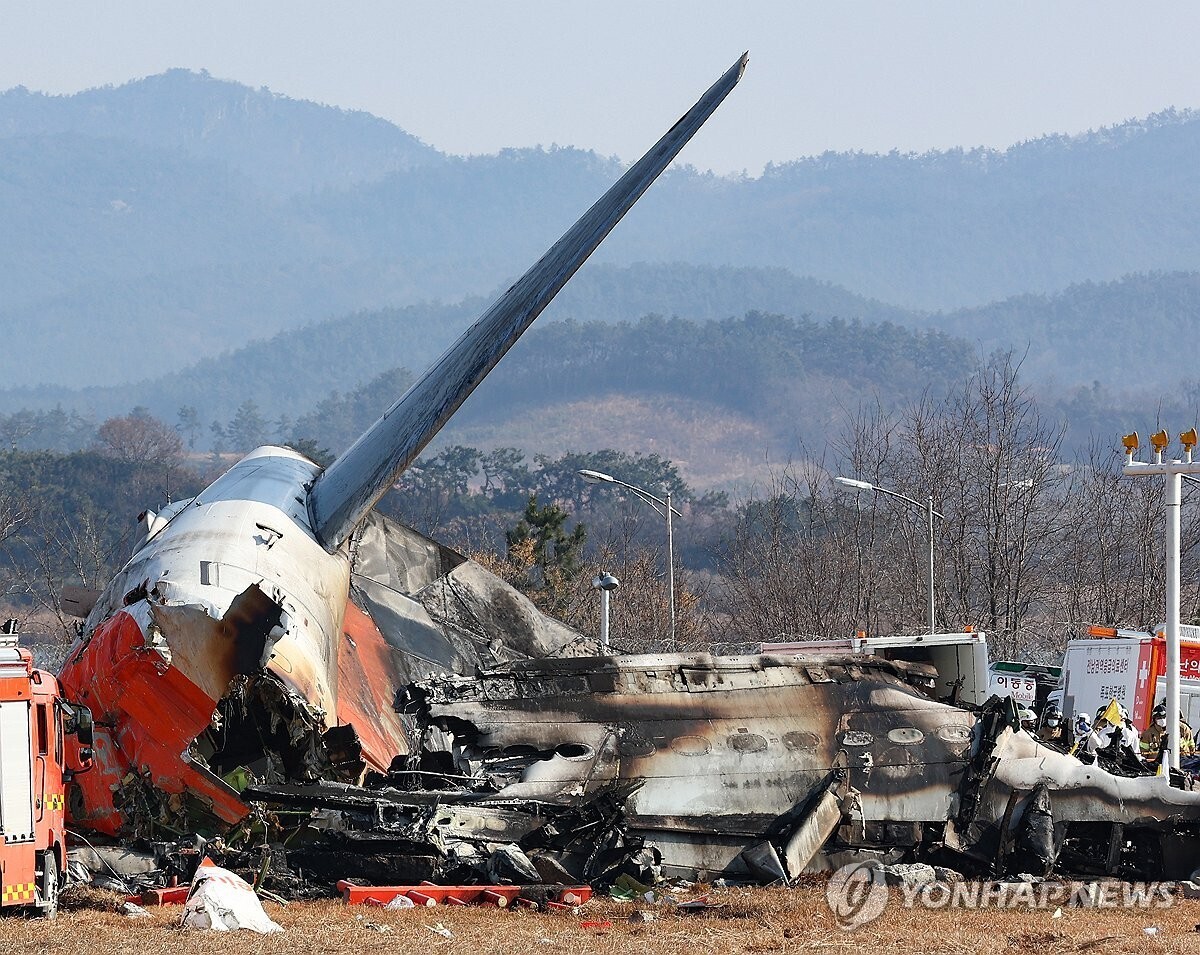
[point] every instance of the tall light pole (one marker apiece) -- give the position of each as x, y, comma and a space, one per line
867, 486
664, 509
1172, 473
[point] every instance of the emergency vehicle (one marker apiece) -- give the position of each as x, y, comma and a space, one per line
44, 742
1129, 666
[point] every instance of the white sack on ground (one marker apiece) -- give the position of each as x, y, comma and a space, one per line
224, 902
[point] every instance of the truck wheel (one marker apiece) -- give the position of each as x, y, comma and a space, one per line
48, 885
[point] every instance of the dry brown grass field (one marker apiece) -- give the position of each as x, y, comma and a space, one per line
750, 921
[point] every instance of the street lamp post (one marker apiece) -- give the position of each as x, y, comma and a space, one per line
664, 509
1172, 474
867, 486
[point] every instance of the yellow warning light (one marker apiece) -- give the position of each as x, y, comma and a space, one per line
1159, 441
1131, 442
1188, 440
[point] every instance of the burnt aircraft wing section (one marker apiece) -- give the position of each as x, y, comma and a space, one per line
349, 488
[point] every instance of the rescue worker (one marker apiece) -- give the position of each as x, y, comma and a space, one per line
1029, 721
1081, 730
1115, 742
1130, 737
1051, 729
1156, 736
1101, 736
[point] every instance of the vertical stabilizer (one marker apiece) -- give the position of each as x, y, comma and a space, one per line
349, 488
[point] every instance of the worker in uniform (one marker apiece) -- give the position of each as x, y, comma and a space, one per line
1155, 740
1114, 739
1051, 729
1130, 737
1081, 731
1029, 721
1101, 736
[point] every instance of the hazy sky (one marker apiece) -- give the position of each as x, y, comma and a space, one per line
471, 76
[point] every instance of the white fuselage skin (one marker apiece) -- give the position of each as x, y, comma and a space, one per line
250, 526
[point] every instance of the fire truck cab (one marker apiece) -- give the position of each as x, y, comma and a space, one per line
44, 742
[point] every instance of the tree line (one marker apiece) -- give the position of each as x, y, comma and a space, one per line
1031, 542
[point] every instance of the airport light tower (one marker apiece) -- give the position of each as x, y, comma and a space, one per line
1172, 474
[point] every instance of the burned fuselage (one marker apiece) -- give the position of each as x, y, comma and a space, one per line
731, 753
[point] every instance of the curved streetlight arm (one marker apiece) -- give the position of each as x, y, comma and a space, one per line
857, 485
599, 477
664, 510
912, 501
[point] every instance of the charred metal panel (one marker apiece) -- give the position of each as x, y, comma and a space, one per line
496, 615
399, 557
441, 613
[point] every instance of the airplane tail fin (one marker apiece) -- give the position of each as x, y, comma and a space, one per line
350, 486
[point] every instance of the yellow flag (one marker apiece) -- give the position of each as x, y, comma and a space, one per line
1113, 713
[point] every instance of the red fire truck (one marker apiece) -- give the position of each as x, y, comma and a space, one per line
44, 742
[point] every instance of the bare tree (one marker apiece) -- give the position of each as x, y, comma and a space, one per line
792, 569
57, 549
141, 439
996, 473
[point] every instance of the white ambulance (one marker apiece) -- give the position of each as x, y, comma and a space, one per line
1129, 666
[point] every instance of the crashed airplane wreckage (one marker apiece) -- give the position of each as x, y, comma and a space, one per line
276, 656
747, 767
251, 628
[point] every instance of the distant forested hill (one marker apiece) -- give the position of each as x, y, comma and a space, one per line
294, 369
171, 219
284, 145
1138, 331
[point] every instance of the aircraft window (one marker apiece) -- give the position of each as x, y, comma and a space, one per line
747, 743
576, 751
906, 735
955, 733
854, 738
690, 745
634, 746
801, 742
